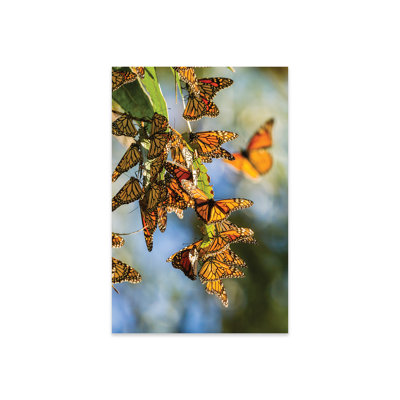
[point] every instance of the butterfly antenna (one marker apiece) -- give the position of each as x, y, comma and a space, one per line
114, 288
133, 210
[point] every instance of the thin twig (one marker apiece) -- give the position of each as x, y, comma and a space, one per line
127, 234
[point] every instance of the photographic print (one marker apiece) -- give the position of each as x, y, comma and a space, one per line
199, 200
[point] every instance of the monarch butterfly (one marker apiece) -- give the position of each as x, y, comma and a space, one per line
158, 138
130, 192
218, 153
217, 288
159, 123
162, 217
117, 241
139, 71
188, 76
228, 257
209, 141
181, 260
131, 157
149, 221
123, 126
221, 241
179, 171
201, 105
157, 165
256, 160
120, 78
176, 148
210, 210
177, 197
213, 270
155, 195
122, 272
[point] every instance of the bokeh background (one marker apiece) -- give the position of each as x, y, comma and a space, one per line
166, 301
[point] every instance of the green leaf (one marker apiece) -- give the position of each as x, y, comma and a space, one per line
152, 87
177, 79
134, 100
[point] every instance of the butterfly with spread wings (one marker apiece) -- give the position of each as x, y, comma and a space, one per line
129, 193
255, 160
225, 235
131, 157
201, 105
210, 210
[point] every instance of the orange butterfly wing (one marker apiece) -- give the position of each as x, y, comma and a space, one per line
139, 71
120, 78
122, 272
149, 222
262, 138
217, 288
117, 241
243, 164
162, 218
179, 171
199, 106
156, 165
214, 269
230, 234
230, 258
210, 210
188, 76
261, 160
123, 126
209, 141
155, 194
131, 157
129, 193
255, 160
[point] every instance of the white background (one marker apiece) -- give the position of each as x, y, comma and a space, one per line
344, 200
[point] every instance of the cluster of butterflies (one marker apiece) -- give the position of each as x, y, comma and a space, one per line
162, 186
